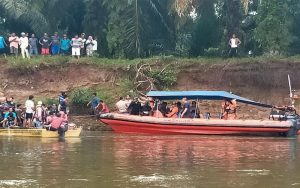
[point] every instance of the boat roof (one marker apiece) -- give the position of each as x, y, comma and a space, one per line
202, 95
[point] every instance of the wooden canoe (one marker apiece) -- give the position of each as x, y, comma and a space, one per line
42, 133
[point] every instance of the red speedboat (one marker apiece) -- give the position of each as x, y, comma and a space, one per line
152, 125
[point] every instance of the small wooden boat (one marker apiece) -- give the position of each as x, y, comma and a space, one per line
152, 125
42, 133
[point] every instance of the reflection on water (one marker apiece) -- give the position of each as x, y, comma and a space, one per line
119, 160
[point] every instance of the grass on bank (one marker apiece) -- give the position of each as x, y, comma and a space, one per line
32, 64
79, 97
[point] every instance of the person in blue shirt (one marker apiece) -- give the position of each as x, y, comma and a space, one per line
55, 41
10, 118
65, 44
2, 46
94, 103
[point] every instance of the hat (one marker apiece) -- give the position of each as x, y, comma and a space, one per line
40, 103
22, 33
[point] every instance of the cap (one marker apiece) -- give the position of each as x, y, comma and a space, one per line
40, 103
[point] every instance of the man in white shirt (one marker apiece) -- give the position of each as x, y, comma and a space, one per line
121, 105
76, 44
234, 43
24, 43
29, 111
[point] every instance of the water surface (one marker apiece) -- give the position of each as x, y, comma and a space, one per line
121, 160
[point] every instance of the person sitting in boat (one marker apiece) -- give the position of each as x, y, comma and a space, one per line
102, 107
229, 109
195, 112
10, 118
121, 106
156, 110
281, 112
53, 109
146, 109
163, 108
135, 107
128, 100
9, 102
58, 122
174, 111
186, 109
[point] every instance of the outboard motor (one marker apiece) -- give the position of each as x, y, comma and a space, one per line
295, 119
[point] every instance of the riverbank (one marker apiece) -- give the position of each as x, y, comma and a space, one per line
262, 79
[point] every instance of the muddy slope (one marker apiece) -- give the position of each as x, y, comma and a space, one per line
264, 82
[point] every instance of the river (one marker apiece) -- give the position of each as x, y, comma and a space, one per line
119, 160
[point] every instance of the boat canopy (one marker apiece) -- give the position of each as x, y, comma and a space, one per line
202, 95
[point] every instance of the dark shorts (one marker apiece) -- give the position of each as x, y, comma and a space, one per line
28, 116
2, 51
14, 50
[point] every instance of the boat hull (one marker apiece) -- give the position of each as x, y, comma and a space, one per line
42, 133
150, 125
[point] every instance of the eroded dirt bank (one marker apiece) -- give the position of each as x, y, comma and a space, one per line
264, 82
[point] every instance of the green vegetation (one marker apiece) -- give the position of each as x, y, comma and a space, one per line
145, 28
81, 96
29, 65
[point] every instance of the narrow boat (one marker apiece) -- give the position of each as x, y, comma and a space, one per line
288, 126
42, 133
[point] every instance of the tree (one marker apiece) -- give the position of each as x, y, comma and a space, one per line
131, 26
207, 32
272, 32
231, 14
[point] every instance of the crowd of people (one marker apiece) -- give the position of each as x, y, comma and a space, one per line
55, 117
178, 109
28, 115
30, 46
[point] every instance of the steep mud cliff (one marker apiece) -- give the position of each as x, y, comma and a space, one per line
261, 81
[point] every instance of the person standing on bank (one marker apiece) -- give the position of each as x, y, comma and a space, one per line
2, 46
33, 45
24, 43
234, 43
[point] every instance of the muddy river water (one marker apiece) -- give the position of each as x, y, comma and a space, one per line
119, 160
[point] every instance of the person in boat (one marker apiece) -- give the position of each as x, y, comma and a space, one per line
20, 115
53, 108
174, 111
29, 111
10, 118
163, 108
128, 100
195, 112
135, 107
102, 107
229, 109
38, 116
121, 106
10, 102
146, 109
156, 110
93, 103
58, 123
186, 109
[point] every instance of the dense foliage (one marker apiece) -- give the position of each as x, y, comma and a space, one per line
143, 28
